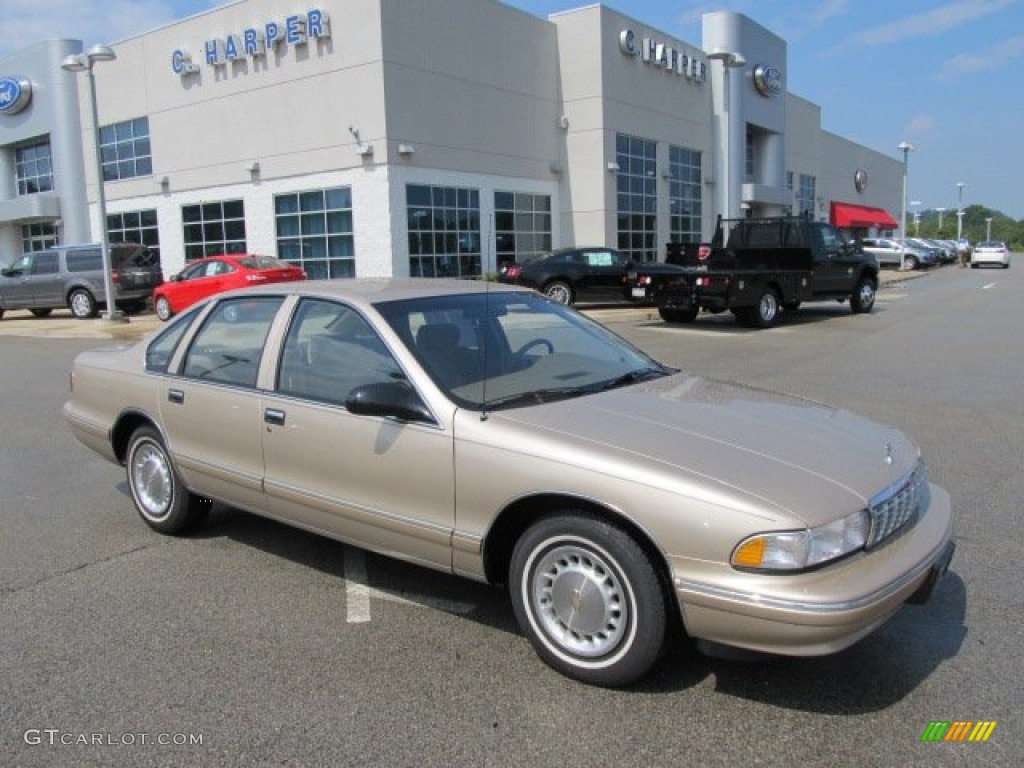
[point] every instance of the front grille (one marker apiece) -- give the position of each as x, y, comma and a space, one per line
898, 505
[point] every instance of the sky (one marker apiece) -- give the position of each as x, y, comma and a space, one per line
942, 75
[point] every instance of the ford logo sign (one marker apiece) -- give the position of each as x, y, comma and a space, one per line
767, 80
15, 94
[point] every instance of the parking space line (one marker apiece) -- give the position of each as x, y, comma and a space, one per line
357, 593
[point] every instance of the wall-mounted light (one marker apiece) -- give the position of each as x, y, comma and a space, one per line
563, 123
613, 167
164, 183
365, 150
254, 167
406, 149
555, 168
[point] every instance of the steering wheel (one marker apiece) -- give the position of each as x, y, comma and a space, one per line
538, 342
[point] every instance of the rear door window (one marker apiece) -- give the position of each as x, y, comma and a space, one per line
90, 260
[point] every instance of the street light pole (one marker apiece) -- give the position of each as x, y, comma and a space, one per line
84, 62
917, 216
960, 209
906, 149
730, 60
940, 210
988, 228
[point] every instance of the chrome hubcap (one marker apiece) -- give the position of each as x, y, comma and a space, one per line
558, 293
152, 483
867, 295
579, 601
769, 307
80, 304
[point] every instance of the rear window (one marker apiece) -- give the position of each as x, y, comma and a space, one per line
137, 256
262, 262
85, 261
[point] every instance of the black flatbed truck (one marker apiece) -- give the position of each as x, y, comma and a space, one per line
755, 267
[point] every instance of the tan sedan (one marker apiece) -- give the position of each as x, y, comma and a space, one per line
489, 432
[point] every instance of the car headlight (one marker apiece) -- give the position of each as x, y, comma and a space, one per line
799, 550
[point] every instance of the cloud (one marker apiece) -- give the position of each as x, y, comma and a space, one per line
26, 22
995, 57
921, 125
933, 22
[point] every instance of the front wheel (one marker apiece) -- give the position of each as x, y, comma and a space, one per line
160, 496
863, 297
588, 598
82, 304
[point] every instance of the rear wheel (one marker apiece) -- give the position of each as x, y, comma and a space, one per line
910, 262
82, 304
764, 313
160, 496
41, 311
677, 315
589, 599
560, 291
863, 297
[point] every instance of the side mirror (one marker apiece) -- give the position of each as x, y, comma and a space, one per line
389, 399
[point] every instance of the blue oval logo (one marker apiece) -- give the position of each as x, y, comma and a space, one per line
15, 94
767, 80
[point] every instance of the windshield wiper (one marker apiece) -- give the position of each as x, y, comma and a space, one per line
640, 374
537, 397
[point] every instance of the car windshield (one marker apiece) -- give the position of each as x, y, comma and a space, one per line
499, 350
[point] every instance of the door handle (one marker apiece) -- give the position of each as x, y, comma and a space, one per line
274, 416
175, 396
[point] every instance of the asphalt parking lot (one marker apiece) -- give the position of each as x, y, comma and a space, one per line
61, 325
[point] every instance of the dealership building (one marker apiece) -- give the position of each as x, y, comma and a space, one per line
402, 137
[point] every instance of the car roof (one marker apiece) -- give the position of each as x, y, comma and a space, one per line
369, 290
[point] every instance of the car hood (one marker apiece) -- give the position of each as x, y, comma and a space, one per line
780, 455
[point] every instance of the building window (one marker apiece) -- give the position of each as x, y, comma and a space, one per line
135, 227
314, 231
37, 237
444, 231
125, 149
684, 195
522, 226
805, 195
33, 168
637, 197
212, 228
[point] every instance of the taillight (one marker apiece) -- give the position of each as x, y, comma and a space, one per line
114, 277
704, 252
512, 271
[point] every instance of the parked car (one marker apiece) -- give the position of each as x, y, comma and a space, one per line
918, 255
215, 274
570, 275
887, 252
489, 432
990, 252
72, 276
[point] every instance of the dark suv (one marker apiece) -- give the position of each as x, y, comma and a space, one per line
72, 276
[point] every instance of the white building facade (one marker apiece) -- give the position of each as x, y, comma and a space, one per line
397, 137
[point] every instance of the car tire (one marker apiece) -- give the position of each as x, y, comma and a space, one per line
911, 263
589, 599
559, 291
82, 304
862, 300
41, 311
764, 313
677, 315
160, 496
162, 307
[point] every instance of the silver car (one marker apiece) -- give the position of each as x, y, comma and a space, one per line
492, 433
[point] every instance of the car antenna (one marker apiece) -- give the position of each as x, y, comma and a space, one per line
487, 317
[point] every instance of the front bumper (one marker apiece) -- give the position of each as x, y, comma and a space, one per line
822, 611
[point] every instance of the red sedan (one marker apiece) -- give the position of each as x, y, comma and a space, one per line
214, 274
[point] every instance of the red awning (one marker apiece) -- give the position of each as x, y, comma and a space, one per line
861, 216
